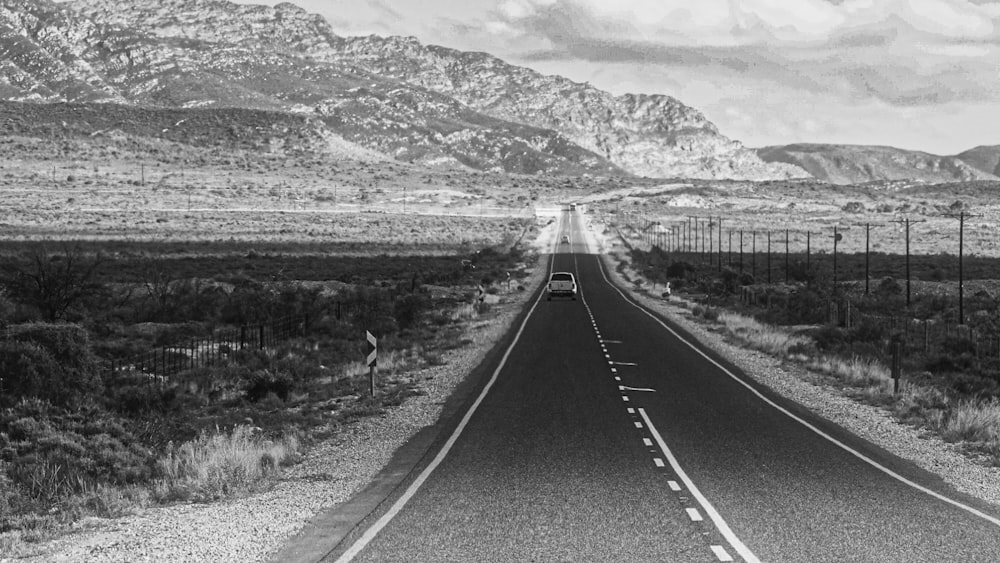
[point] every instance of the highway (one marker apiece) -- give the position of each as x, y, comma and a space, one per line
599, 432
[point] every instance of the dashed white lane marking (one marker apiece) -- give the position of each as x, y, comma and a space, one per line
625, 398
721, 553
802, 421
694, 515
617, 378
613, 370
646, 441
638, 424
674, 486
713, 514
658, 462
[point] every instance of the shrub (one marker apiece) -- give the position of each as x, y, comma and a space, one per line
265, 382
51, 362
409, 309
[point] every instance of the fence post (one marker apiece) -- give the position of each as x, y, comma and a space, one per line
896, 365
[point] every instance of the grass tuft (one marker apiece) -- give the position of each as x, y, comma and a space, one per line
218, 464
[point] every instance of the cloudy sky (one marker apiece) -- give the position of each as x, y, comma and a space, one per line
916, 74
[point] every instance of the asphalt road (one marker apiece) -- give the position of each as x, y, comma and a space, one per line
599, 434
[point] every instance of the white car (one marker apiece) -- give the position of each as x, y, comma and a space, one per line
562, 284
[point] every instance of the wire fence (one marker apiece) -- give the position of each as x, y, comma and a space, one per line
157, 366
925, 336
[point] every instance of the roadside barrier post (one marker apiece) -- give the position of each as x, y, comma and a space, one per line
897, 354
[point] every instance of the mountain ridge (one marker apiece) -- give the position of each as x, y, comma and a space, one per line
856, 164
413, 102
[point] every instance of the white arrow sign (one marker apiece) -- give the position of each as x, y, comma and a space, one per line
372, 349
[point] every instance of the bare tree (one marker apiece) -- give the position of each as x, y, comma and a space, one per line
55, 282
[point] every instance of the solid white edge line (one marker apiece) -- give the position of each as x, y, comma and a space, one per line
803, 422
716, 518
397, 506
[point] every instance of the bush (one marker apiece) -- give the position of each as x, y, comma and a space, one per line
54, 452
265, 382
409, 309
50, 362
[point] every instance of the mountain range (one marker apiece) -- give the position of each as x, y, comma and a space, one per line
171, 66
423, 104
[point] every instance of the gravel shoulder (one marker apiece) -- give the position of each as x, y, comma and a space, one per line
254, 527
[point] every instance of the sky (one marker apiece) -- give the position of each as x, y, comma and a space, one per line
915, 74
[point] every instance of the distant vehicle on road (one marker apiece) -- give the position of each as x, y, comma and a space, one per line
565, 239
562, 284
572, 207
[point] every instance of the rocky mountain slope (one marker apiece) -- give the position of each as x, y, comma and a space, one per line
983, 158
415, 103
856, 164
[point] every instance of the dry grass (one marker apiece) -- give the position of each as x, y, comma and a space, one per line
974, 421
219, 464
759, 336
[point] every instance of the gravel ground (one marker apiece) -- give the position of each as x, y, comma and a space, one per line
251, 528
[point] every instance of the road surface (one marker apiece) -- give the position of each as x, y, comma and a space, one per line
599, 433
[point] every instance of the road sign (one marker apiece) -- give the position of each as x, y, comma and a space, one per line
372, 349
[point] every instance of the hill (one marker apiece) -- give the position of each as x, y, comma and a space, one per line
857, 164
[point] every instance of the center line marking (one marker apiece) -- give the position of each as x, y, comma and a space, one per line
716, 518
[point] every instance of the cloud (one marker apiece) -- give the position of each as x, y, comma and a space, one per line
900, 52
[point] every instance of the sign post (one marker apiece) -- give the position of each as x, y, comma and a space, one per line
372, 360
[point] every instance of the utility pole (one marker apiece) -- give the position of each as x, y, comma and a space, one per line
769, 258
786, 256
868, 236
836, 238
720, 244
961, 259
753, 257
711, 251
730, 233
907, 222
808, 250
741, 251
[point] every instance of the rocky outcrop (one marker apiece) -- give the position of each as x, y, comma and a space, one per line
650, 135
